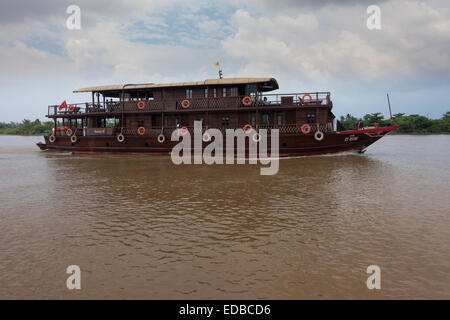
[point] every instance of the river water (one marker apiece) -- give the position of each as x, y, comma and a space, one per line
142, 227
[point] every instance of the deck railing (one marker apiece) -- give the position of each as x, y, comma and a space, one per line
296, 129
204, 103
167, 131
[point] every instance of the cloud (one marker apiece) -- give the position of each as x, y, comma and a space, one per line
317, 45
335, 43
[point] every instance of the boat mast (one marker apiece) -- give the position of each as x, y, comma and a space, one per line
389, 103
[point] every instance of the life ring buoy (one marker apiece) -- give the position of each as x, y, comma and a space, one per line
183, 131
161, 138
248, 128
305, 128
206, 137
319, 135
52, 138
141, 105
307, 95
247, 101
73, 139
185, 104
69, 132
120, 137
141, 131
71, 108
256, 137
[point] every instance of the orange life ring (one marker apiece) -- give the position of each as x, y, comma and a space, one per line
306, 96
247, 128
69, 132
184, 131
306, 128
71, 108
141, 105
141, 131
247, 101
185, 104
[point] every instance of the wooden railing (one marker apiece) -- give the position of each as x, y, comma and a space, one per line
296, 129
258, 101
113, 131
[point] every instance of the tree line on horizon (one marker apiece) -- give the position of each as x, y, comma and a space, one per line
26, 128
413, 123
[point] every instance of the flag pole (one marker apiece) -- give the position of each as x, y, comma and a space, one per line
220, 71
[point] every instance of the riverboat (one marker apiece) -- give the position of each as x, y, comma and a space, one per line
140, 118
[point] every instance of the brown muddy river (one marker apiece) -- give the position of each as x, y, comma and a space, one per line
141, 227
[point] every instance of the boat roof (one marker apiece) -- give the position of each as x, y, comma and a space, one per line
265, 84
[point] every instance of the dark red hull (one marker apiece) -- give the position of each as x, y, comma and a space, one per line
290, 145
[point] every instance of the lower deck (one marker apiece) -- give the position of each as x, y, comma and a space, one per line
283, 119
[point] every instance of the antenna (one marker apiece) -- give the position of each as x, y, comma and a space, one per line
389, 103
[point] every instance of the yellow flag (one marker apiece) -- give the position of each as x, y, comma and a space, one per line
217, 63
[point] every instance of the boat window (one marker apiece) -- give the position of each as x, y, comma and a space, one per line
165, 122
140, 123
215, 93
279, 119
265, 118
250, 89
110, 123
225, 121
224, 92
253, 121
234, 92
206, 93
188, 93
310, 118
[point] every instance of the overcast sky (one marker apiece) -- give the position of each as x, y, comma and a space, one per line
306, 45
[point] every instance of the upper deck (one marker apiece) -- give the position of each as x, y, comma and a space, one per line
235, 104
203, 96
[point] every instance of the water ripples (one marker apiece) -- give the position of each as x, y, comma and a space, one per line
141, 227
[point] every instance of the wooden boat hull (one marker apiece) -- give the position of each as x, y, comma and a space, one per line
290, 145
